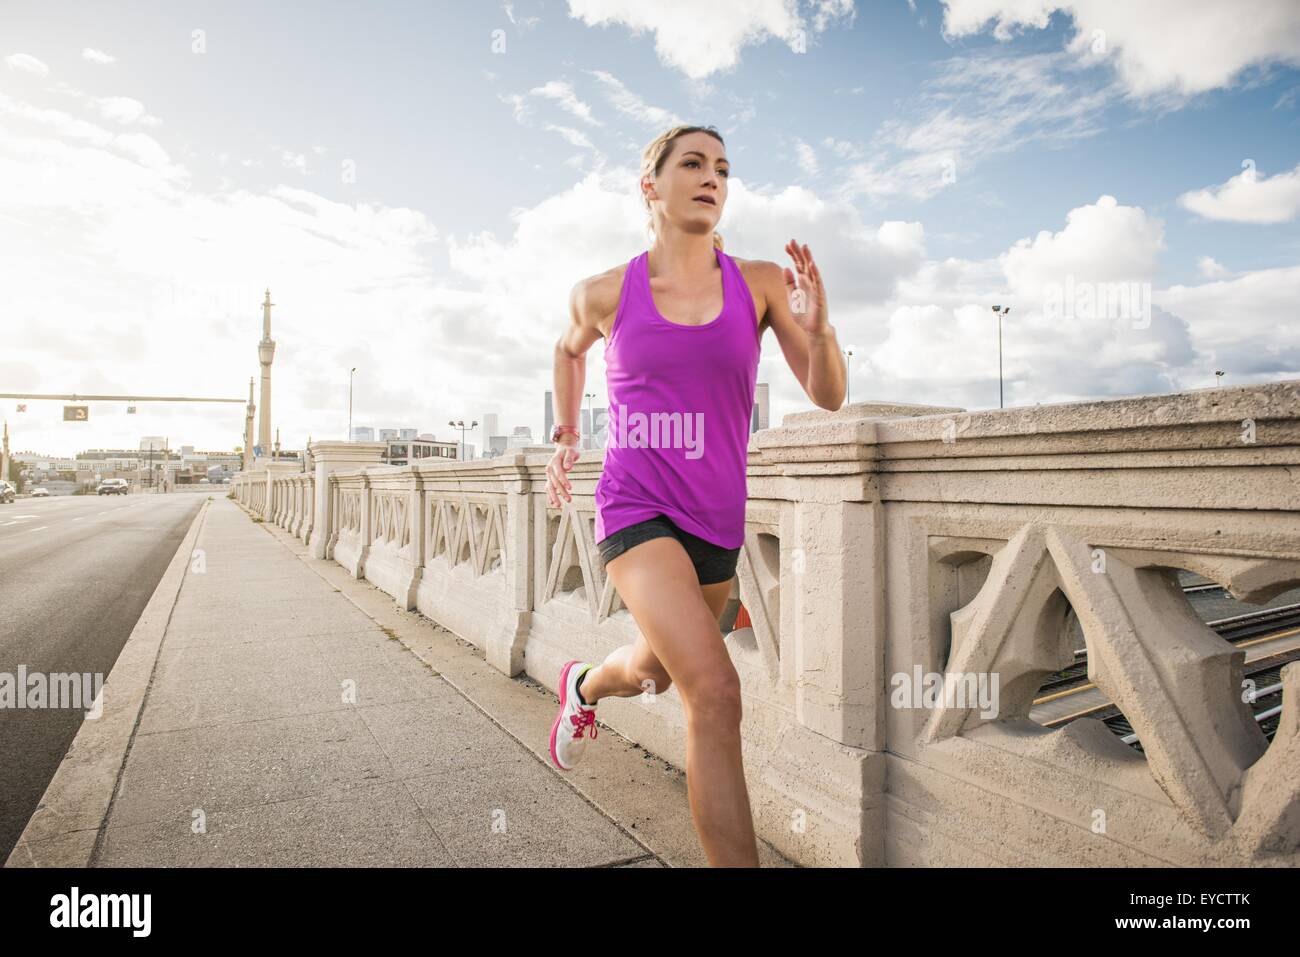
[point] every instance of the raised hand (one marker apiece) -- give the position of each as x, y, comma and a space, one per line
807, 295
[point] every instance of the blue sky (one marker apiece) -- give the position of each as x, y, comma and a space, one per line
937, 157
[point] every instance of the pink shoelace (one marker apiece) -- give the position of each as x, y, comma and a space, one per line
582, 720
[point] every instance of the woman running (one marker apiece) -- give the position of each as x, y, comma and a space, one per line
683, 324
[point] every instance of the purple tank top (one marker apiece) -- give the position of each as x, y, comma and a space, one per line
681, 399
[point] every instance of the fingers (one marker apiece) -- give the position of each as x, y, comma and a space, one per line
557, 482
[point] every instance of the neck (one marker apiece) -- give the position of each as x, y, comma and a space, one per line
680, 254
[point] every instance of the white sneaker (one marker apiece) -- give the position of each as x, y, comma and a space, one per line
568, 740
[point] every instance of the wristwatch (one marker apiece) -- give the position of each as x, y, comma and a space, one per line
561, 429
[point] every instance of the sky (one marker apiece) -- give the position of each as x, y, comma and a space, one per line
420, 185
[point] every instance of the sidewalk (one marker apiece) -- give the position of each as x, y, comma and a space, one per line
226, 739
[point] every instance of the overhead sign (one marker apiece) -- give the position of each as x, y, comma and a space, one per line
76, 413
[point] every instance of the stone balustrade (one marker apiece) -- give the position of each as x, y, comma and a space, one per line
887, 543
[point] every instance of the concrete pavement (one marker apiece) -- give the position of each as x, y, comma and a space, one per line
270, 710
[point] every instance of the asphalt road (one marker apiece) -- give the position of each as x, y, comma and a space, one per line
75, 573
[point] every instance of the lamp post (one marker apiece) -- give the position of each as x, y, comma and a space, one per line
1000, 311
591, 423
460, 424
848, 375
350, 374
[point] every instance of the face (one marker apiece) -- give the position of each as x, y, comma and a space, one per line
695, 170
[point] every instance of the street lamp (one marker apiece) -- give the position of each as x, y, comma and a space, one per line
1000, 311
591, 423
350, 374
460, 424
848, 375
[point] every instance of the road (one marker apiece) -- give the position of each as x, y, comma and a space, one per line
75, 573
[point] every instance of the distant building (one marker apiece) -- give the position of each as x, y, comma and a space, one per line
406, 452
758, 421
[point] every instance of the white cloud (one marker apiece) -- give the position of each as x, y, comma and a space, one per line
167, 281
973, 108
1210, 268
97, 56
1103, 242
521, 22
807, 158
562, 93
572, 136
1248, 198
1178, 46
627, 102
53, 127
1244, 321
123, 109
25, 63
703, 38
936, 341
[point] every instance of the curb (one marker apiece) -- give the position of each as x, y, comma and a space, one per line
65, 828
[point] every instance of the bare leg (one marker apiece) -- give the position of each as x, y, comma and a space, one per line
679, 626
629, 670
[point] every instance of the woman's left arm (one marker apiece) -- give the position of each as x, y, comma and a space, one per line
806, 337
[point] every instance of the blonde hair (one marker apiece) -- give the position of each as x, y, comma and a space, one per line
652, 161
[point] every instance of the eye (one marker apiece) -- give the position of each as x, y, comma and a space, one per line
721, 170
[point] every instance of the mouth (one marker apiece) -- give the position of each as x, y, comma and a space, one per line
706, 199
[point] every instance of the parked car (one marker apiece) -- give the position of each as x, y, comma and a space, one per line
40, 492
113, 486
7, 492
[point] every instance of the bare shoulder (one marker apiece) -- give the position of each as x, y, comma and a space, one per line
763, 277
758, 271
595, 298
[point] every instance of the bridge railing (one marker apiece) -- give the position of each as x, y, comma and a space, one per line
909, 578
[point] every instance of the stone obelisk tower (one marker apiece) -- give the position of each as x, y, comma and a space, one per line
265, 353
4, 455
248, 428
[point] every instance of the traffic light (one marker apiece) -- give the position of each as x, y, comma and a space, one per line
130, 410
76, 413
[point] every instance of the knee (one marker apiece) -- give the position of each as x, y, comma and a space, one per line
714, 698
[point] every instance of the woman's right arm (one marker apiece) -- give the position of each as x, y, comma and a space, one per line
579, 335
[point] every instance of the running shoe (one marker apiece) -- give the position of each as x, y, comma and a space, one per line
568, 733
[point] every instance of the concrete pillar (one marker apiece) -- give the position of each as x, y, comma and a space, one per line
330, 456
